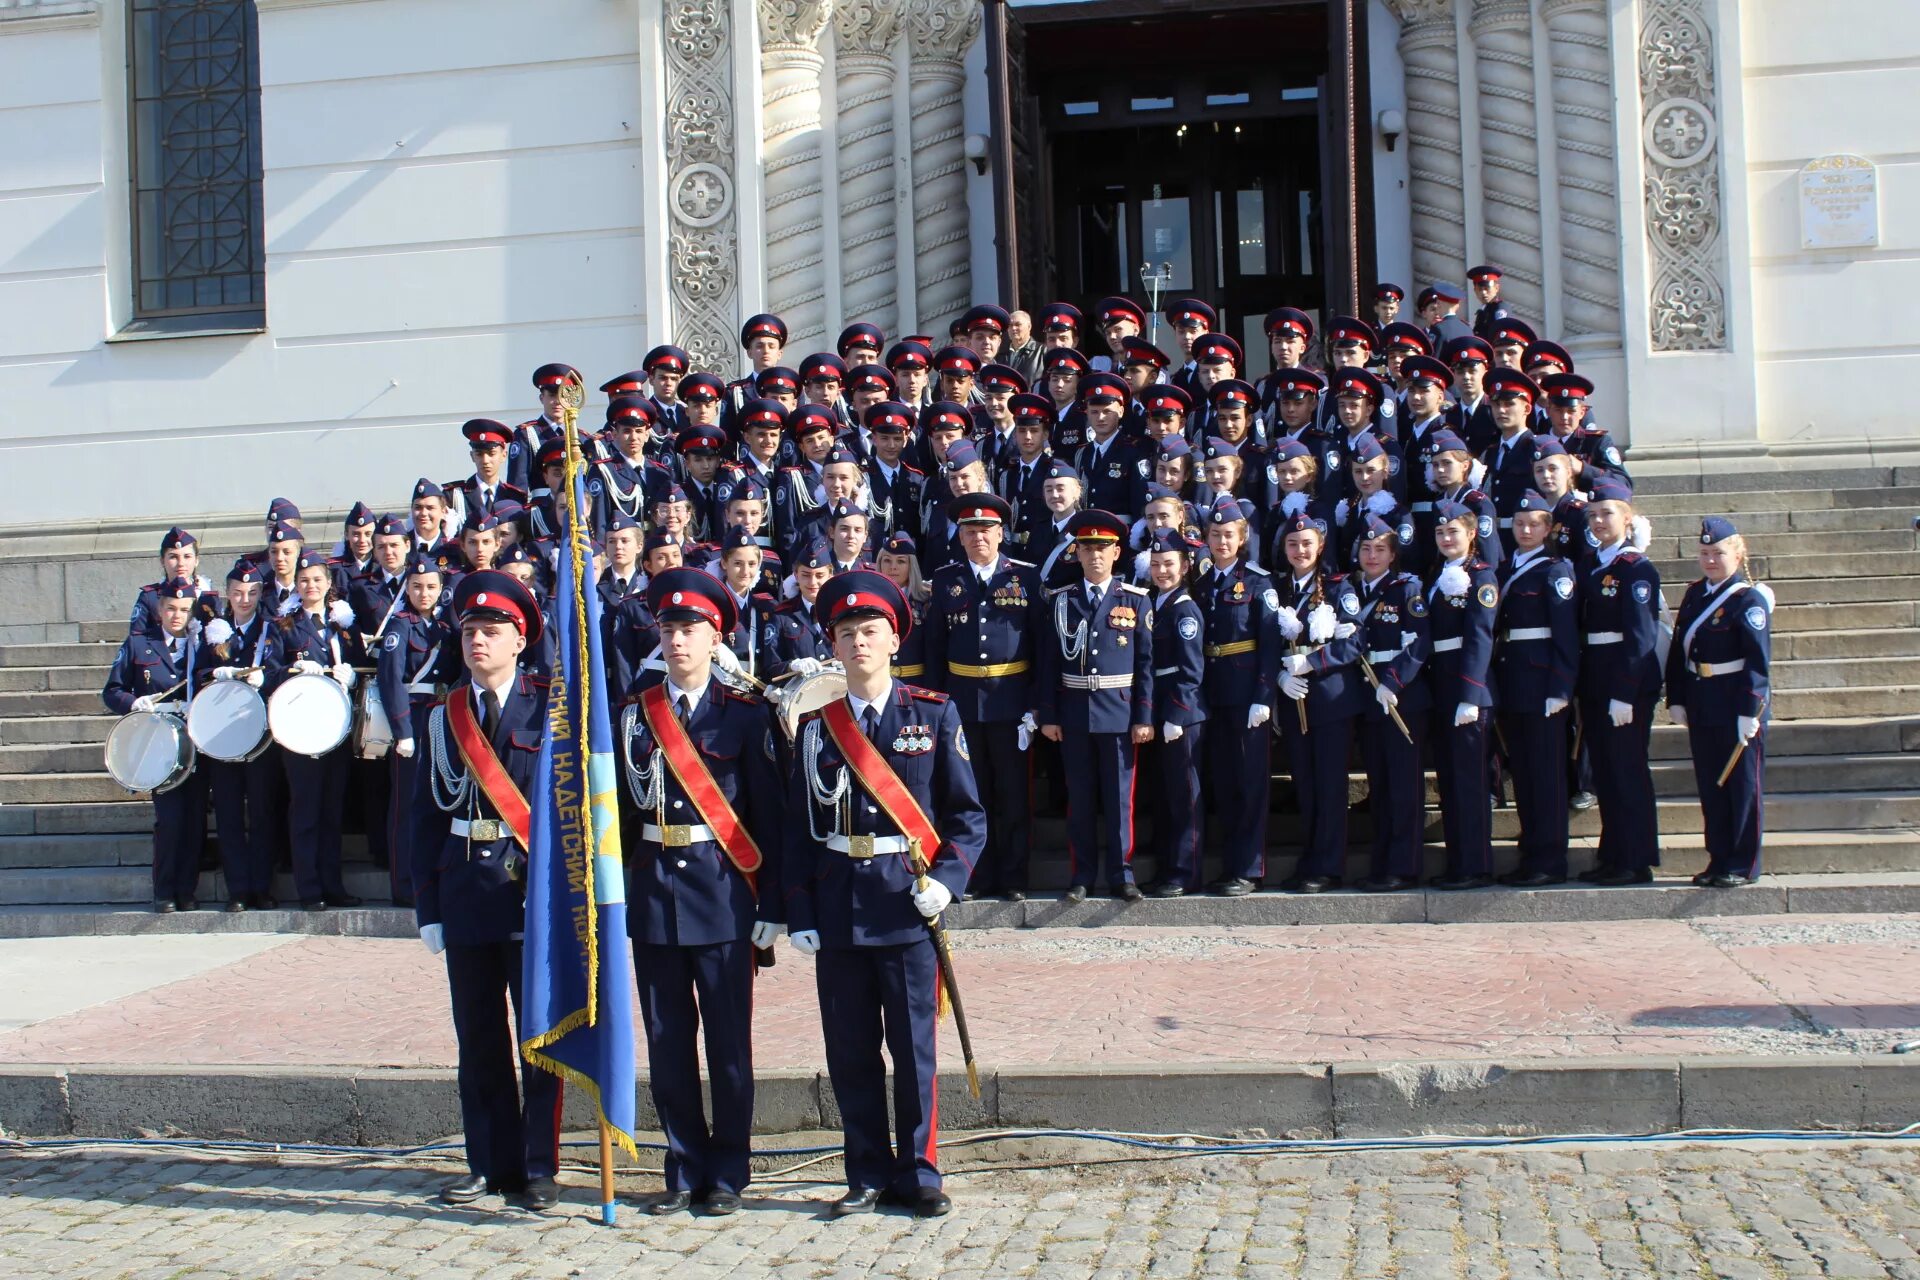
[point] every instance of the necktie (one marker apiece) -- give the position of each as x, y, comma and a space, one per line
490, 714
683, 709
620, 587
1093, 598
870, 724
486, 499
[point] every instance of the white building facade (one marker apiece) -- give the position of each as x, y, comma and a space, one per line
1711, 203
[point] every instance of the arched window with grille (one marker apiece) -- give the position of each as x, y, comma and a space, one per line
199, 254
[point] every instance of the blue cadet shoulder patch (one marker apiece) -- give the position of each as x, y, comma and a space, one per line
1486, 526
960, 743
1405, 533
1145, 468
1563, 587
1592, 539
392, 641
593, 486
1642, 592
1417, 604
1393, 464
1613, 455
1189, 628
1757, 618
1333, 457
1273, 473
1349, 603
1387, 409
1269, 598
1488, 595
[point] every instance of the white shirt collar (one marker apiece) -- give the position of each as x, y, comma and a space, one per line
1607, 553
860, 705
1523, 558
984, 572
698, 695
501, 691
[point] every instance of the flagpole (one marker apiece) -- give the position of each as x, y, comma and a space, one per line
607, 1201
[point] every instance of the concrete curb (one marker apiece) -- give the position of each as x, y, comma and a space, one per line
1675, 900
373, 1107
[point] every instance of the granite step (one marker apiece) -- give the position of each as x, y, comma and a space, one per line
17, 704
109, 885
20, 730
57, 655
1673, 540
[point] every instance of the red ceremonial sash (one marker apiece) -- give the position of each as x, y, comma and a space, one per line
484, 767
697, 781
881, 782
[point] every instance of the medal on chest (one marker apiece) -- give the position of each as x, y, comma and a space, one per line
1121, 618
913, 740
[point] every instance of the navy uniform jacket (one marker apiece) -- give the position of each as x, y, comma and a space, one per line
692, 895
1621, 597
469, 491
1335, 690
146, 606
1461, 631
1336, 462
145, 667
1029, 507
1416, 454
1475, 425
1601, 457
1069, 433
308, 638
1507, 481
855, 902
616, 484
371, 595
910, 663
1394, 636
971, 626
415, 650
746, 636
1571, 539
1114, 647
1446, 329
1738, 632
788, 632
628, 637
893, 505
1424, 554
465, 885
1240, 610
245, 648
797, 493
1115, 478
1537, 595
1348, 527
1179, 659
1489, 315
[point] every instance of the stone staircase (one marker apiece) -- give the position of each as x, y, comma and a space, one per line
1843, 767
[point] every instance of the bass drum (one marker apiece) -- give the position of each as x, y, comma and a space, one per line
149, 752
228, 721
372, 730
801, 694
310, 715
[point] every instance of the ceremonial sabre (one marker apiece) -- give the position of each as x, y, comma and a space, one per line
918, 861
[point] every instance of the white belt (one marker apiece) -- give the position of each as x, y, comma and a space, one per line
1098, 682
1707, 670
1448, 645
1166, 671
1606, 637
676, 836
482, 829
1421, 506
1506, 522
1530, 633
867, 846
1383, 655
430, 687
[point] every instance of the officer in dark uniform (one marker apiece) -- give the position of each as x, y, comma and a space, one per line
469, 895
986, 618
763, 337
1470, 415
1023, 470
1095, 696
1718, 687
1536, 660
145, 673
1463, 600
854, 902
1486, 287
488, 485
1442, 301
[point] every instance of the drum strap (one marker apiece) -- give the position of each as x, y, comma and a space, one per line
697, 781
484, 767
878, 777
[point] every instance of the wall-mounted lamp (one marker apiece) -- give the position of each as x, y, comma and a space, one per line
1392, 125
975, 146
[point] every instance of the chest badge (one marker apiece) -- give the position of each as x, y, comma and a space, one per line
913, 740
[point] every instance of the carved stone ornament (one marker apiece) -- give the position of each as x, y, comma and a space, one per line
1429, 48
1680, 138
702, 239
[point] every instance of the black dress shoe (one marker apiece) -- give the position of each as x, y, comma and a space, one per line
1311, 884
313, 904
344, 900
235, 906
1231, 887
930, 1202
464, 1190
186, 904
1625, 876
1530, 879
1077, 893
966, 897
1730, 880
163, 906
1454, 883
1704, 878
721, 1203
1384, 884
1165, 889
1584, 800
1014, 895
263, 902
539, 1195
858, 1200
672, 1202
1128, 892
1593, 875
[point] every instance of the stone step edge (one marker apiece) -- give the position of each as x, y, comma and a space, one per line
1617, 1095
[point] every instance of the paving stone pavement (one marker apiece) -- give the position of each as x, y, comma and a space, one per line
1730, 1211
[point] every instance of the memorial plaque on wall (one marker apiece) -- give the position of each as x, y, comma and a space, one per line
1839, 203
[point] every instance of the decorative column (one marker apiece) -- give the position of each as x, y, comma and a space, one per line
1430, 49
791, 65
702, 238
863, 62
1583, 137
940, 32
1680, 134
1510, 157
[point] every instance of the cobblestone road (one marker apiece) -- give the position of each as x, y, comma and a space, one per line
1732, 1211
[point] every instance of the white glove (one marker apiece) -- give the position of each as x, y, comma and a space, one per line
194, 627
1293, 504
1556, 705
1621, 713
1340, 510
435, 936
1320, 623
804, 666
1453, 581
1464, 714
256, 677
340, 614
1765, 593
1345, 630
1476, 473
1386, 697
223, 673
219, 631
404, 748
343, 674
145, 702
1639, 533
1296, 664
764, 933
1678, 715
1749, 727
1171, 732
788, 590
1293, 686
1028, 727
289, 606
1381, 503
308, 667
1258, 714
932, 900
1289, 622
805, 941
727, 660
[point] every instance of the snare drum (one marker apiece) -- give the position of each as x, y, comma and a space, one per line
795, 698
372, 731
310, 715
228, 721
149, 752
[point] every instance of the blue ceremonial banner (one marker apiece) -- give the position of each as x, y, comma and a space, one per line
577, 983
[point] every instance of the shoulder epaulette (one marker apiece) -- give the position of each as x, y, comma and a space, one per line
1138, 591
1475, 493
1054, 591
740, 695
1023, 564
1629, 555
538, 682
789, 606
925, 695
1254, 568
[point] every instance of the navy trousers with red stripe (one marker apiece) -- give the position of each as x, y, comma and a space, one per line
687, 994
1100, 777
1732, 813
871, 996
1466, 797
512, 1127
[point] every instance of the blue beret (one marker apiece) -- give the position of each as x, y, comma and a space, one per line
1716, 529
1607, 489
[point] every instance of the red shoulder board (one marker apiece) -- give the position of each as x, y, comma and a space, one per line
911, 470
925, 695
736, 694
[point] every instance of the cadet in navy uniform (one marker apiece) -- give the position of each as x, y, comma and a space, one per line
1095, 695
145, 672
697, 907
315, 639
1116, 471
179, 559
1486, 287
791, 638
1463, 601
1180, 709
243, 790
419, 656
853, 902
1536, 661
470, 899
1619, 685
1718, 688
985, 619
1509, 459
1241, 619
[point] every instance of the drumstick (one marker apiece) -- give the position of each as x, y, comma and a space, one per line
1394, 712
